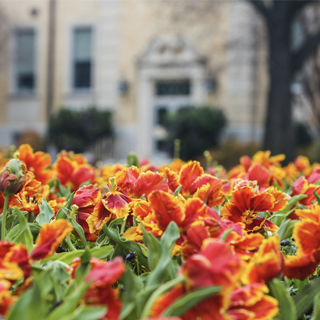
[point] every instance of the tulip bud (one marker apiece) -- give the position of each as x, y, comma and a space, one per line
12, 177
133, 160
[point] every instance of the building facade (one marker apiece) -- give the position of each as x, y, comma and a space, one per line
140, 59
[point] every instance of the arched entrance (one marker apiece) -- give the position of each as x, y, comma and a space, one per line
171, 74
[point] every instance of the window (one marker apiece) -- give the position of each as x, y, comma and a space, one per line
25, 62
173, 88
82, 58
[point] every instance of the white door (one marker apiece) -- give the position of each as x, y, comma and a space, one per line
169, 96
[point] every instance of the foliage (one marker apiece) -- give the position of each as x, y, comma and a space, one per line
198, 129
76, 130
284, 64
303, 134
176, 243
230, 151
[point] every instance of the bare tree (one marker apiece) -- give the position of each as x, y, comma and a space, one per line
309, 79
284, 63
284, 60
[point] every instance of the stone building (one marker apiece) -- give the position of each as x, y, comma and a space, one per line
139, 58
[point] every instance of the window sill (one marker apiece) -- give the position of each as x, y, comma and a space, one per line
23, 95
80, 92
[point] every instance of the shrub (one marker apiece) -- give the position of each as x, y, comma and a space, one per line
231, 150
77, 130
303, 134
198, 129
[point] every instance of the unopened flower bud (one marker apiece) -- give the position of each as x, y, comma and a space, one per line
133, 160
12, 177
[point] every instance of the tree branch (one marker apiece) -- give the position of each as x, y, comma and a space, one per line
301, 54
260, 7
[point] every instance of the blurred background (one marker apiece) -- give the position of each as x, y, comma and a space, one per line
107, 77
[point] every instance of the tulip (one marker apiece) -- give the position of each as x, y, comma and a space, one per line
12, 180
12, 177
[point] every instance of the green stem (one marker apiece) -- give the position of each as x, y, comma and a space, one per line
177, 144
123, 225
70, 244
167, 286
4, 217
103, 242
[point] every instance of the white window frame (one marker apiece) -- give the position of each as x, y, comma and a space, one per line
73, 28
12, 57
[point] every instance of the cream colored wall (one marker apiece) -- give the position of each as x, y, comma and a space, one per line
121, 36
18, 113
21, 112
69, 14
218, 32
142, 20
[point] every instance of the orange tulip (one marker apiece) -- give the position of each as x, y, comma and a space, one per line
37, 162
50, 237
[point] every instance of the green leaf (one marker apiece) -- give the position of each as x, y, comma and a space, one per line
115, 222
67, 257
24, 236
59, 278
304, 299
30, 305
46, 213
154, 248
63, 191
186, 302
132, 285
125, 244
86, 183
13, 232
69, 200
287, 308
177, 191
143, 296
286, 228
280, 216
69, 304
292, 202
300, 284
158, 292
76, 226
167, 242
84, 267
275, 183
316, 307
86, 313
63, 212
34, 228
226, 233
317, 196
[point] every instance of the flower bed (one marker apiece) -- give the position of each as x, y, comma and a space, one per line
170, 242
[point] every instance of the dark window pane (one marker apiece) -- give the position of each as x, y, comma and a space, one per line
26, 81
82, 58
162, 114
173, 88
25, 59
82, 74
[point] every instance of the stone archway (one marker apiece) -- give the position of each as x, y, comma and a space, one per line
166, 60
